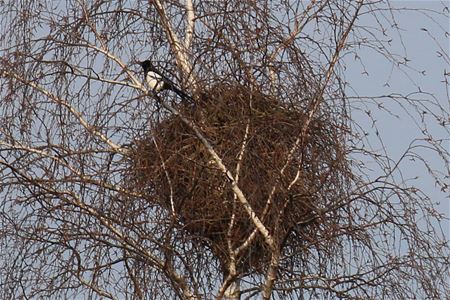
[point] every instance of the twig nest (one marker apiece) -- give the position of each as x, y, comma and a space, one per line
254, 135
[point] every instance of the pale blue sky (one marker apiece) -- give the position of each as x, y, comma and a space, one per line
421, 48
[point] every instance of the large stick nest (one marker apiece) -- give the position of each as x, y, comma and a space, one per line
254, 134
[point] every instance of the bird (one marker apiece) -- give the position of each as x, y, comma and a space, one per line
157, 81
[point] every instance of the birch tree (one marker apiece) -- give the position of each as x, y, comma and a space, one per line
256, 185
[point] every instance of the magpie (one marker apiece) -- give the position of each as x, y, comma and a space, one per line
158, 82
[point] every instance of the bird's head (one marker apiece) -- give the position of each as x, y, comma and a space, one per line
146, 65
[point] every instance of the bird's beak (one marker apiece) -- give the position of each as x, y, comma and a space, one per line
137, 62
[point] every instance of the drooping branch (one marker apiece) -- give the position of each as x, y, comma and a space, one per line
64, 103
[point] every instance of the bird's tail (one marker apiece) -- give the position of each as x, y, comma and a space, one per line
181, 93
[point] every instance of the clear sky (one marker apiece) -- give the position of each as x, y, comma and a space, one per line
424, 37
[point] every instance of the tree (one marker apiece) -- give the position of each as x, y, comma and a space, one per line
256, 185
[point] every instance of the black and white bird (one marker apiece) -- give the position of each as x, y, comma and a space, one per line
157, 81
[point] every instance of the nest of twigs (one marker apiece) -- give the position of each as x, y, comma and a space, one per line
254, 135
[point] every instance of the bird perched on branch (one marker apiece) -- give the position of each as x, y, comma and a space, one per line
157, 81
